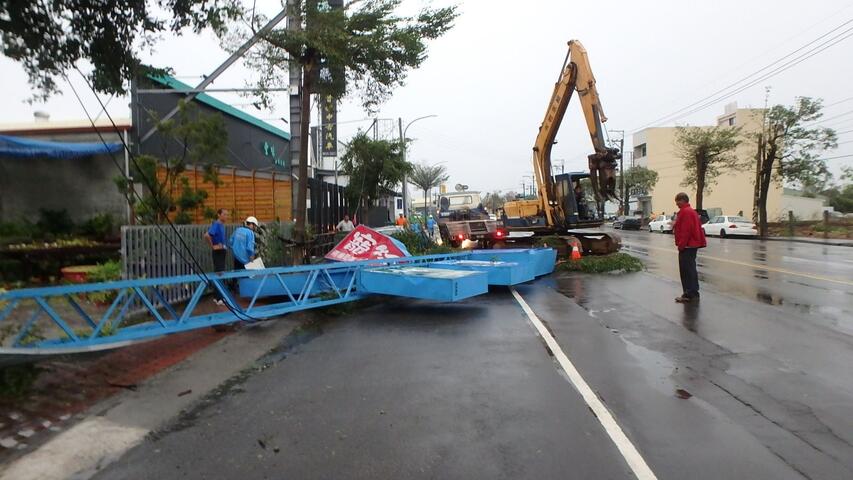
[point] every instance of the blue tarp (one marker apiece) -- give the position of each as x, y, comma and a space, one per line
28, 148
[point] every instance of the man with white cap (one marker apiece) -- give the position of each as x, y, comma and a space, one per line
242, 243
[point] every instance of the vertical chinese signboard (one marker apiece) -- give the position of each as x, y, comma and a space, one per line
329, 114
329, 75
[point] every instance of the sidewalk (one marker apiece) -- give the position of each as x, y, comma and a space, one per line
835, 242
132, 399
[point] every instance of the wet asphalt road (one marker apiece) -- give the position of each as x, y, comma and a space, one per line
808, 279
754, 382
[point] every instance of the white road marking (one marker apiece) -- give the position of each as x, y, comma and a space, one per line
626, 448
745, 264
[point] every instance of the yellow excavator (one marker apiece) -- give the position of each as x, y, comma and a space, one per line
561, 208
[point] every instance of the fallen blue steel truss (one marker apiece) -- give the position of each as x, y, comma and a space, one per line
37, 322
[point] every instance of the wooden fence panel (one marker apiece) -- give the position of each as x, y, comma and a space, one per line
264, 195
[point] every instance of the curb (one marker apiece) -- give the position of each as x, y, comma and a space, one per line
829, 242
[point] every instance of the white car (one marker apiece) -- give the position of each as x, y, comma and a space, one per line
725, 226
661, 224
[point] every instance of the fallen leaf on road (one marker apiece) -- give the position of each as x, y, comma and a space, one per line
185, 392
683, 394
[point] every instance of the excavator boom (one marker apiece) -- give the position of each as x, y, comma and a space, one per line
575, 75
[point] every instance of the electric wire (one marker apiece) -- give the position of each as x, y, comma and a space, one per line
773, 73
194, 264
777, 70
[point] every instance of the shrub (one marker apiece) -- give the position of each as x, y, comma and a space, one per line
418, 243
100, 227
54, 222
108, 271
615, 262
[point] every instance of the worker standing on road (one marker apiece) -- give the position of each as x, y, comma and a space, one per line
215, 236
242, 243
345, 225
401, 221
689, 238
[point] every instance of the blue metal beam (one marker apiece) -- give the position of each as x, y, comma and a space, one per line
269, 293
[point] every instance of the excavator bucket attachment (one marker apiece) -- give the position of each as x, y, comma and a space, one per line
602, 172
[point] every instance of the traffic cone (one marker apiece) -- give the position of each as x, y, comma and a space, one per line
576, 253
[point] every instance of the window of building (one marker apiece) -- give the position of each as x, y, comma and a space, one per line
399, 204
731, 121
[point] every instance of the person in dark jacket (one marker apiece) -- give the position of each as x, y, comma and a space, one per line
689, 238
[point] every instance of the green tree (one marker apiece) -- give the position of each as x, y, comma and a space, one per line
495, 200
201, 140
840, 196
374, 167
640, 180
371, 48
427, 177
49, 38
789, 146
707, 153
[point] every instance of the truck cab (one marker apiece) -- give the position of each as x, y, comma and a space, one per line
461, 218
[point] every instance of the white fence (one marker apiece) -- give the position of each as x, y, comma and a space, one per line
150, 251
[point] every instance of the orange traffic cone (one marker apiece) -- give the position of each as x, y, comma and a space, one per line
576, 253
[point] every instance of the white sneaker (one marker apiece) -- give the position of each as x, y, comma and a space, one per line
219, 302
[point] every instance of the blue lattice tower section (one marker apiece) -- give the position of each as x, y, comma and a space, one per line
38, 322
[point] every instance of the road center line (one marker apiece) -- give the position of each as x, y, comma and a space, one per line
745, 264
626, 448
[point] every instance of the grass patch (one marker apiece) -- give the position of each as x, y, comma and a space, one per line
615, 262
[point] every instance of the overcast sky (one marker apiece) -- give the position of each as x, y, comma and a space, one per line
488, 80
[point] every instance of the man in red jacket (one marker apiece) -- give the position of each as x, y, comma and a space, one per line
689, 237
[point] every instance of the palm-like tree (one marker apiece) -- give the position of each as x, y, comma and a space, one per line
427, 177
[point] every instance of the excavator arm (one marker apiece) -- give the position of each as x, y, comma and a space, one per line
575, 75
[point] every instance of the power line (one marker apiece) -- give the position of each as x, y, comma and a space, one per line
777, 70
822, 120
838, 102
194, 264
837, 157
773, 73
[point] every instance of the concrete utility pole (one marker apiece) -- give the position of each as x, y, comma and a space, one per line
293, 24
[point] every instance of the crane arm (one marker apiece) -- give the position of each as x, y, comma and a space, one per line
575, 74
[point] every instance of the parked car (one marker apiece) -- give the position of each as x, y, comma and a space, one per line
661, 223
627, 223
726, 225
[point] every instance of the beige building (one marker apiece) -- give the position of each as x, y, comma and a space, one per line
732, 193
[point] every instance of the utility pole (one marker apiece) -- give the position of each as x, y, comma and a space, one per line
623, 187
295, 112
405, 177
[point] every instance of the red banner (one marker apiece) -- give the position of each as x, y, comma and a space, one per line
364, 244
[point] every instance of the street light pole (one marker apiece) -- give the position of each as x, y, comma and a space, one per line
403, 144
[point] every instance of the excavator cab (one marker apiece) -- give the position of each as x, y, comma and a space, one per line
577, 199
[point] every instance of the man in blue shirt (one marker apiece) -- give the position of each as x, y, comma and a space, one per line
242, 243
215, 237
430, 224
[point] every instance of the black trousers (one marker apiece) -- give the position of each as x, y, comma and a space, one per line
687, 269
219, 257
